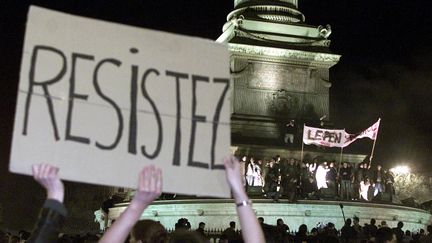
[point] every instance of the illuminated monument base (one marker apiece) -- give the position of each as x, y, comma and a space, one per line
280, 71
217, 213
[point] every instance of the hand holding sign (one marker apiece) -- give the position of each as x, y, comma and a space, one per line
149, 188
149, 185
47, 176
119, 99
251, 229
233, 175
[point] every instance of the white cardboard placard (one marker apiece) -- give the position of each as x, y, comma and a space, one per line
101, 100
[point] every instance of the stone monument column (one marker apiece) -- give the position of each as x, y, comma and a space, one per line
280, 69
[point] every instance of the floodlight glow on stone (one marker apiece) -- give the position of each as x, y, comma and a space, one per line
402, 169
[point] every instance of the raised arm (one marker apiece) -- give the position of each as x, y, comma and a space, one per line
251, 229
47, 176
149, 188
53, 213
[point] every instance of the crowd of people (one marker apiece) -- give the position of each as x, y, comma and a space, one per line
352, 231
280, 232
128, 227
317, 179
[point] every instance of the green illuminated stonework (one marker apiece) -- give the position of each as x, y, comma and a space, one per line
217, 213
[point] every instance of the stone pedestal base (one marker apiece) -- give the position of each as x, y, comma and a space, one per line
217, 213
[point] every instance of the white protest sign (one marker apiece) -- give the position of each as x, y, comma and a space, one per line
101, 100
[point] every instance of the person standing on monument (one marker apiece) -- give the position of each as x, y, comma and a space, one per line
389, 188
358, 178
321, 176
290, 130
345, 174
261, 167
253, 173
264, 171
290, 178
378, 179
278, 163
364, 189
332, 177
272, 182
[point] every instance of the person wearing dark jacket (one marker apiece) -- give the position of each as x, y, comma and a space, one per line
345, 175
389, 188
272, 182
301, 235
399, 233
371, 229
53, 213
348, 233
379, 180
282, 231
332, 178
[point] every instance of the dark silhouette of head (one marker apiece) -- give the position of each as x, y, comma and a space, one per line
279, 221
385, 235
348, 222
400, 225
261, 220
148, 231
201, 225
356, 219
302, 229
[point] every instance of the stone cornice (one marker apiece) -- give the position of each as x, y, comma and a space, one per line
299, 30
278, 39
279, 54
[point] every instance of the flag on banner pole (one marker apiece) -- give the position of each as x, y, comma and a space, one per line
371, 132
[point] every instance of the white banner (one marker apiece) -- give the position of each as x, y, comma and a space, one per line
371, 132
323, 137
100, 100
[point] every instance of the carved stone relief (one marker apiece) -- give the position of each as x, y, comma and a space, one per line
279, 90
270, 76
282, 104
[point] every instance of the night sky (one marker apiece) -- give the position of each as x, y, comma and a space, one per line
385, 70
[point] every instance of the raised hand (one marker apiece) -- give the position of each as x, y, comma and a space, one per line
251, 229
232, 170
149, 188
47, 176
149, 185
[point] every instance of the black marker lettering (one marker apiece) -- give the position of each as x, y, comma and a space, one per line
110, 101
133, 112
195, 119
156, 112
216, 120
177, 142
72, 96
44, 84
132, 147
